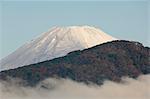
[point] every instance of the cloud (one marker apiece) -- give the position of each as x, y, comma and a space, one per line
68, 89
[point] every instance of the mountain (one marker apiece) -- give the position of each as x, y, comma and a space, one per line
111, 61
57, 42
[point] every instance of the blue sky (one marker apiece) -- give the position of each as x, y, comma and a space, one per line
21, 21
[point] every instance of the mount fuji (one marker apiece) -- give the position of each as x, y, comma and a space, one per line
57, 42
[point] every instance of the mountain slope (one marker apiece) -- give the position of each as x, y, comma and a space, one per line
111, 61
57, 42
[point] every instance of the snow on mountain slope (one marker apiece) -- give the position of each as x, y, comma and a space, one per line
57, 42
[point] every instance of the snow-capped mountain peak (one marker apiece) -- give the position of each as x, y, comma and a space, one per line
57, 42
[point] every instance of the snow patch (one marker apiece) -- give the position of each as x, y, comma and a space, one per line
57, 42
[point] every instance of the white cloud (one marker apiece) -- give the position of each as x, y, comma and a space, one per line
68, 89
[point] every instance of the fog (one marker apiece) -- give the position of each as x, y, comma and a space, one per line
68, 89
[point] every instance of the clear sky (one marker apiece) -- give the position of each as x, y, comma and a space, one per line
24, 20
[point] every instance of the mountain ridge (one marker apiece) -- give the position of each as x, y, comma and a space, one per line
108, 61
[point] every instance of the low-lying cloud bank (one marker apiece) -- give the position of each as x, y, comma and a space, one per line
68, 89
